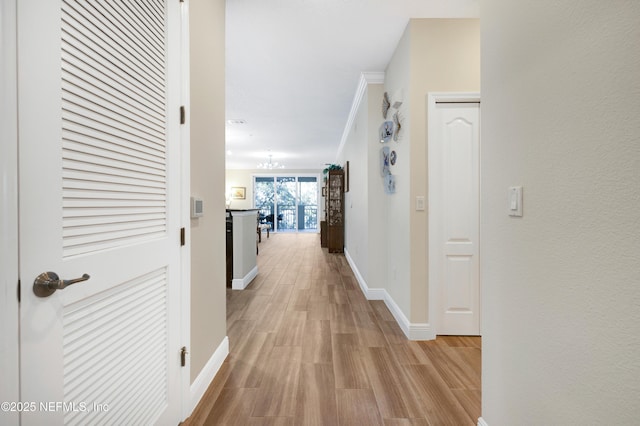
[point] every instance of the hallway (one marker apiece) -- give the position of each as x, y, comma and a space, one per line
306, 348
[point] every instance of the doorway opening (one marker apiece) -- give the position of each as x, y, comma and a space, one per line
288, 203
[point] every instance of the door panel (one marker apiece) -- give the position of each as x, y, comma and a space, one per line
99, 182
131, 317
458, 273
286, 196
114, 155
454, 220
307, 203
460, 179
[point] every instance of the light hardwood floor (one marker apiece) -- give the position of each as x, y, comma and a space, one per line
307, 348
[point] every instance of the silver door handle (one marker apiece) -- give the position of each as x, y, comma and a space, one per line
47, 283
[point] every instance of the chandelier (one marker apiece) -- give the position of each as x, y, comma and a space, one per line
270, 165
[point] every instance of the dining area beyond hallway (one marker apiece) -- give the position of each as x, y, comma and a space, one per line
307, 348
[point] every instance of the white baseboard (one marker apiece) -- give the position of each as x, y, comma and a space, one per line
204, 379
415, 331
376, 294
369, 293
242, 283
481, 422
422, 331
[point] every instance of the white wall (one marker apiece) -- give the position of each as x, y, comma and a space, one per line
208, 270
397, 84
355, 201
365, 209
445, 57
244, 243
561, 285
386, 239
377, 231
433, 55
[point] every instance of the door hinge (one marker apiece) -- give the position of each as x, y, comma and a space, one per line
182, 237
183, 115
183, 356
19, 288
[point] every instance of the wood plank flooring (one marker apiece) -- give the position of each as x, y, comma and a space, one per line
307, 348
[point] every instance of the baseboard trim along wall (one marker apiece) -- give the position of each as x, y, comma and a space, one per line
242, 283
481, 422
204, 379
413, 331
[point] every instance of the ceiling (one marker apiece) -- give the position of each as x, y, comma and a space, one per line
293, 67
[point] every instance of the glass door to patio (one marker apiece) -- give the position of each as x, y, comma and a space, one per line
287, 203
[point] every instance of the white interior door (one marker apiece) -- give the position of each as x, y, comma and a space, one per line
9, 308
99, 194
454, 216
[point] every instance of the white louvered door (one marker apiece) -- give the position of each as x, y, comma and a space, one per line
99, 194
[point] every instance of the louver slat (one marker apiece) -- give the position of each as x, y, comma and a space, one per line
114, 124
123, 332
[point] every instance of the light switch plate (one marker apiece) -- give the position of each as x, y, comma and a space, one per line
197, 208
420, 203
514, 206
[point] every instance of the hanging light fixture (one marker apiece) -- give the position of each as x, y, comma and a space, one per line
270, 165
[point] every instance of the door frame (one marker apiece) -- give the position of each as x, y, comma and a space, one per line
186, 405
434, 292
9, 272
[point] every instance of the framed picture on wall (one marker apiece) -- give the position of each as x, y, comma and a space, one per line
238, 192
346, 177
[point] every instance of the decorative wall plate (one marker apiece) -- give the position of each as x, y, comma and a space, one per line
392, 158
390, 184
384, 161
386, 131
396, 122
385, 105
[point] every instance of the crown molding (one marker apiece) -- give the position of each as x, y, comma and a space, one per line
366, 78
373, 77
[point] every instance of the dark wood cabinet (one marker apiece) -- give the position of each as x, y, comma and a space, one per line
335, 211
323, 232
229, 226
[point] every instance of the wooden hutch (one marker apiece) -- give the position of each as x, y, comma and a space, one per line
334, 211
